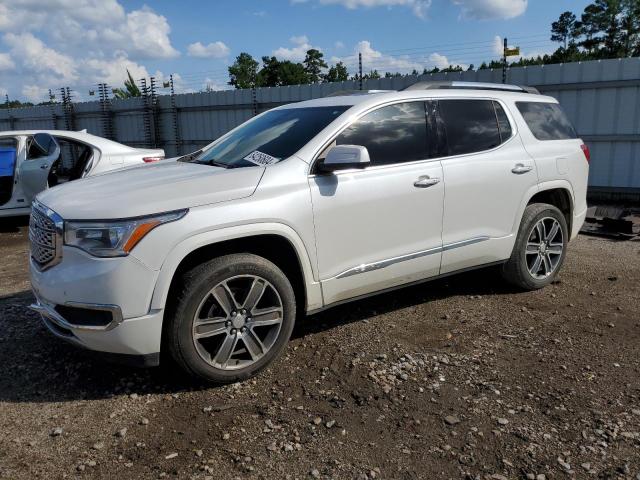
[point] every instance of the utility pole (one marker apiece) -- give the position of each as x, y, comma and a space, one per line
504, 61
360, 69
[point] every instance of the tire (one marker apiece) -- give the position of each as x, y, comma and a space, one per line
520, 269
206, 332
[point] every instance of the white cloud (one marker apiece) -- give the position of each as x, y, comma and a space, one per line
6, 62
212, 50
34, 93
491, 9
298, 52
35, 57
419, 7
77, 43
373, 59
338, 44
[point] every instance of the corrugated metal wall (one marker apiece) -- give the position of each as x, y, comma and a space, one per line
602, 98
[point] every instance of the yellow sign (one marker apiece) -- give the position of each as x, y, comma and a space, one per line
512, 52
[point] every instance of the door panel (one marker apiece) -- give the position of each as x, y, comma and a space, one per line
42, 152
375, 229
483, 194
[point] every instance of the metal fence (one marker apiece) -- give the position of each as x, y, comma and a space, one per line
602, 98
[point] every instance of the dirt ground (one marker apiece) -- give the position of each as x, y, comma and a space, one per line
458, 378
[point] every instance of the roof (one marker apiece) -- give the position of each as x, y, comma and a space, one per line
371, 99
82, 136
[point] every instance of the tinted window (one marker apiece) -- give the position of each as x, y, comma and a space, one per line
393, 134
40, 145
503, 122
470, 125
546, 121
274, 136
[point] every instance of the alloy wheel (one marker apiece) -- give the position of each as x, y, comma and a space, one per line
237, 322
545, 246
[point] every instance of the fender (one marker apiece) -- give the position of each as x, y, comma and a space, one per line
190, 244
541, 187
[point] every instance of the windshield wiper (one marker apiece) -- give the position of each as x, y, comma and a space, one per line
216, 163
190, 156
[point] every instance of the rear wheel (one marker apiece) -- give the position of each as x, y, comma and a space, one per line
540, 247
233, 318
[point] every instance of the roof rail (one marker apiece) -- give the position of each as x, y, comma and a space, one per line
471, 86
345, 93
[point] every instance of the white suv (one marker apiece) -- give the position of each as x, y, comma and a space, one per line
210, 257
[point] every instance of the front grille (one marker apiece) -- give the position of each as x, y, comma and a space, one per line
44, 236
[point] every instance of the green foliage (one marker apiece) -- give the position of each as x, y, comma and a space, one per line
130, 88
605, 29
313, 65
337, 73
244, 71
276, 73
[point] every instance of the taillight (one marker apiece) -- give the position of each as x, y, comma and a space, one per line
151, 159
587, 153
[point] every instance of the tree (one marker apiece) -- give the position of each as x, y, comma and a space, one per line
313, 65
290, 73
337, 73
630, 28
244, 71
562, 29
275, 73
130, 88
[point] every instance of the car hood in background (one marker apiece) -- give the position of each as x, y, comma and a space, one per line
149, 189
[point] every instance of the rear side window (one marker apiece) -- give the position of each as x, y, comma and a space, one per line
503, 122
470, 125
546, 121
393, 134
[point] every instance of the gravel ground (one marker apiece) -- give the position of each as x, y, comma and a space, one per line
458, 378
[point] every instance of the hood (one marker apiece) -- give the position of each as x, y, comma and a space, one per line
149, 189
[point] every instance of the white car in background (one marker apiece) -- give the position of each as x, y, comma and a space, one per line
34, 160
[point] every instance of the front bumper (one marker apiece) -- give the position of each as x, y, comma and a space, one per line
120, 287
134, 337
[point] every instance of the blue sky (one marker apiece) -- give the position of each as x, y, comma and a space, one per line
77, 43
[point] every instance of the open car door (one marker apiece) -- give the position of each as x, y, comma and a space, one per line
42, 151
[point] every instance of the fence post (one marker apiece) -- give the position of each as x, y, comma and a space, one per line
67, 105
9, 117
154, 112
174, 118
105, 111
146, 112
52, 108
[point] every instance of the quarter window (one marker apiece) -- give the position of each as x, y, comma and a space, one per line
470, 125
546, 121
503, 122
392, 134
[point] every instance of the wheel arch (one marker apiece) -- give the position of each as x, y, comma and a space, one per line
275, 242
558, 196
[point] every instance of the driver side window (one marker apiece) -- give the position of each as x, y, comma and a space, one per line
393, 134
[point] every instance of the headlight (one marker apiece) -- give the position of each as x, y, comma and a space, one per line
116, 238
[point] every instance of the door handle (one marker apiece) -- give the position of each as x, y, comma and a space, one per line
44, 166
425, 181
521, 168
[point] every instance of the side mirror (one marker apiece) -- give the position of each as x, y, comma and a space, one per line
42, 145
343, 157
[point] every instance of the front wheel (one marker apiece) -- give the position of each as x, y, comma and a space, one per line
233, 318
540, 247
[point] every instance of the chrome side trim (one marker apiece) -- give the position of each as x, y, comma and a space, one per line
368, 267
49, 312
464, 243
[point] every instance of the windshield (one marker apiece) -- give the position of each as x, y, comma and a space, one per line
267, 139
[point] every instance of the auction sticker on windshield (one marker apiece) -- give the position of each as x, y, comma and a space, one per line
260, 158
